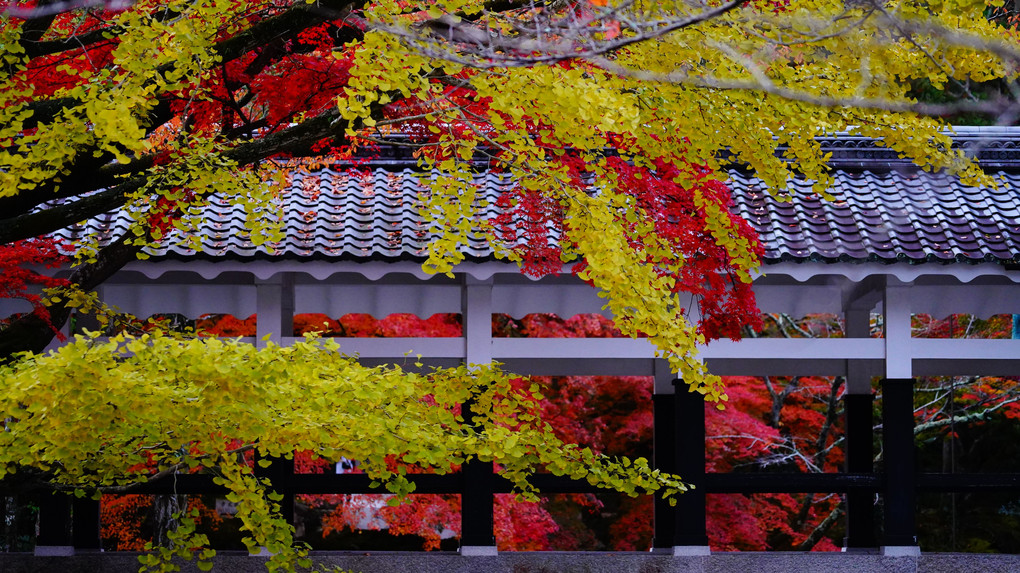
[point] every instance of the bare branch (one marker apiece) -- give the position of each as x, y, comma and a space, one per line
998, 107
816, 534
53, 8
546, 41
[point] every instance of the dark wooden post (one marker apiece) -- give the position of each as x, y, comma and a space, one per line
85, 529
899, 461
280, 474
476, 513
860, 507
476, 518
54, 536
690, 464
664, 458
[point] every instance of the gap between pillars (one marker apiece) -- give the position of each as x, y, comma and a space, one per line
279, 473
85, 530
477, 535
67, 525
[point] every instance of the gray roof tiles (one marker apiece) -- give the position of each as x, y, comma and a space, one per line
876, 216
893, 215
886, 216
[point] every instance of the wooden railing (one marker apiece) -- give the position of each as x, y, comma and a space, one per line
66, 522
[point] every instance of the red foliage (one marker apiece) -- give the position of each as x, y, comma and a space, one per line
698, 263
745, 433
225, 325
122, 518
962, 326
611, 415
19, 280
409, 325
317, 323
363, 325
522, 525
126, 520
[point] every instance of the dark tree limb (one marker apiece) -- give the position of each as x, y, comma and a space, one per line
32, 334
283, 26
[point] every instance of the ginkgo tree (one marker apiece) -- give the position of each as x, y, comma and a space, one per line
615, 123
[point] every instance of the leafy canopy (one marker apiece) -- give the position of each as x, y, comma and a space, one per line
156, 107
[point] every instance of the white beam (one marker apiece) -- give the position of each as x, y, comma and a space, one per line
420, 298
798, 299
796, 348
191, 300
575, 367
572, 348
398, 349
858, 272
562, 298
968, 348
980, 300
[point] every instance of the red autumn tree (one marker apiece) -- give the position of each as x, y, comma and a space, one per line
18, 280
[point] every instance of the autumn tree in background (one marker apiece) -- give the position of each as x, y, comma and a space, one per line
157, 108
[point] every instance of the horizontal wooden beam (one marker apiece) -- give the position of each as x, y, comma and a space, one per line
785, 482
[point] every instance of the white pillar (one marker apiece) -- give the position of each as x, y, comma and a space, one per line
898, 346
858, 325
477, 313
275, 308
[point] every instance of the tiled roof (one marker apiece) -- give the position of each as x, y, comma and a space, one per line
884, 211
887, 217
876, 216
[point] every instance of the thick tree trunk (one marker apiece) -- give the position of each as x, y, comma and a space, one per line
165, 509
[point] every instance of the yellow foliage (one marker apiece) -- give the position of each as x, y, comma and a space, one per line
155, 403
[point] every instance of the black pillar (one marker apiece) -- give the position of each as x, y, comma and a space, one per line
476, 505
476, 517
690, 464
664, 458
860, 507
899, 462
280, 474
54, 520
85, 524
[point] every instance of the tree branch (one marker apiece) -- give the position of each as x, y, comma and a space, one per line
31, 333
816, 534
50, 9
48, 220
